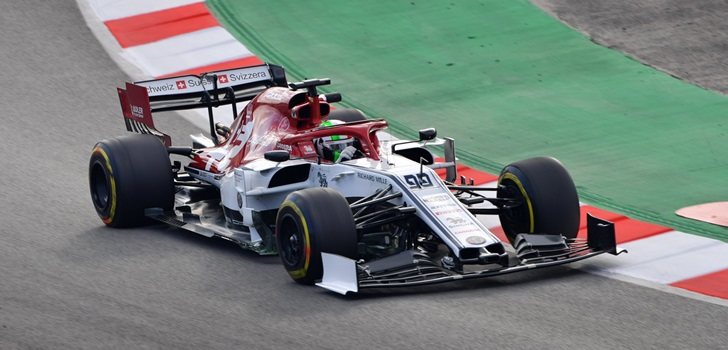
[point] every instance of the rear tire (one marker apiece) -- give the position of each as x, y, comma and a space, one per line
347, 115
310, 222
127, 175
550, 204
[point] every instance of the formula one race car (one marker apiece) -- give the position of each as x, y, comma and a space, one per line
344, 208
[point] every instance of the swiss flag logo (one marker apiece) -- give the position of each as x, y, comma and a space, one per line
181, 85
222, 79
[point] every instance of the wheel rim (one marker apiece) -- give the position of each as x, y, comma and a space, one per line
99, 186
291, 241
516, 219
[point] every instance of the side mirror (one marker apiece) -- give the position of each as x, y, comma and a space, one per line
428, 134
425, 135
277, 156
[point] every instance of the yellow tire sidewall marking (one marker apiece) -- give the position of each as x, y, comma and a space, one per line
300, 273
514, 178
108, 219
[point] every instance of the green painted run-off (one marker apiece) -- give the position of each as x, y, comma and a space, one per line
508, 82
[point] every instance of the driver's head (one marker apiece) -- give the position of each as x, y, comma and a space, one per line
330, 147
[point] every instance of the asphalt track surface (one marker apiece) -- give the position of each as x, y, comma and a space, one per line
687, 39
68, 282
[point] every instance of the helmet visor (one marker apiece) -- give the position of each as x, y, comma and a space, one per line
339, 145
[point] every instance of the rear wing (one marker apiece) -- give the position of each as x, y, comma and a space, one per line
213, 89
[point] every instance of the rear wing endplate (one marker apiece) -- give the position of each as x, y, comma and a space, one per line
213, 89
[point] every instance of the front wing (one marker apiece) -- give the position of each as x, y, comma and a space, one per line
411, 268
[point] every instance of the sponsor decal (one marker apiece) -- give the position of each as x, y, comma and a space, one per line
456, 221
470, 229
239, 180
452, 216
263, 142
191, 83
373, 178
205, 82
137, 111
475, 240
284, 124
322, 180
242, 76
307, 150
446, 209
437, 198
159, 88
284, 147
274, 95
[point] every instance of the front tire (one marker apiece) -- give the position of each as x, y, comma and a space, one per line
127, 175
549, 203
310, 222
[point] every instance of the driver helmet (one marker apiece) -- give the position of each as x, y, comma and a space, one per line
330, 147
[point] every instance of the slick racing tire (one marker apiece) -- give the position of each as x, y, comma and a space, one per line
347, 115
127, 175
310, 222
548, 202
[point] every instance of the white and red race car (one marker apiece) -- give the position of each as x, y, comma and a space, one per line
379, 217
